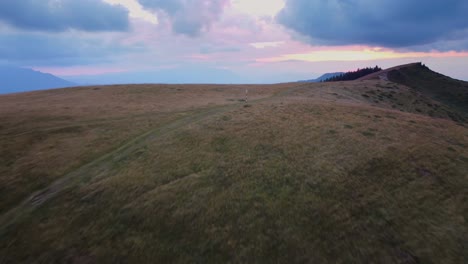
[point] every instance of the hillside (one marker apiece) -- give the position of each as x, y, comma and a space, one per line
451, 92
343, 172
382, 75
354, 75
13, 80
448, 92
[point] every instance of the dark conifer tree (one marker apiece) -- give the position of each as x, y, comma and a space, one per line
353, 75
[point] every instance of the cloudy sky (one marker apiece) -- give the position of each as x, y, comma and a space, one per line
229, 41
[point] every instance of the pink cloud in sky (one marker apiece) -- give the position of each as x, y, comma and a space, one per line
79, 70
356, 53
240, 39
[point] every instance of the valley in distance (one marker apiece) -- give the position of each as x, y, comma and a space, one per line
373, 170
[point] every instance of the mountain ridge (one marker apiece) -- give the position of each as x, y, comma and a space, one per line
323, 77
15, 79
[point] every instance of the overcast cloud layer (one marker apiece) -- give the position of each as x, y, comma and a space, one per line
387, 23
60, 50
230, 40
53, 15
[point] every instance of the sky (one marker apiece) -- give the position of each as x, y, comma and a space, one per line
229, 41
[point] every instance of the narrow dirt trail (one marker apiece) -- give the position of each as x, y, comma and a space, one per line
103, 164
79, 123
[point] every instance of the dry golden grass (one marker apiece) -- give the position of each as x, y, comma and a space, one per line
312, 173
44, 135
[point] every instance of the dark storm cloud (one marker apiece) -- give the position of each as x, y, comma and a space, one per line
388, 23
60, 15
188, 17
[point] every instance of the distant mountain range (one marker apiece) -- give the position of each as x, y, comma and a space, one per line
14, 79
324, 77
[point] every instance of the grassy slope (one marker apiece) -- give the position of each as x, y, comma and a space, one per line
450, 92
44, 135
340, 172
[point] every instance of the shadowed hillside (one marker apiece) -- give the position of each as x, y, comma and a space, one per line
344, 172
451, 92
445, 92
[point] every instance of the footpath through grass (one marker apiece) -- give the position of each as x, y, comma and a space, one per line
280, 181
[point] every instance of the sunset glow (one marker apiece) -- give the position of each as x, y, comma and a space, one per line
247, 39
359, 54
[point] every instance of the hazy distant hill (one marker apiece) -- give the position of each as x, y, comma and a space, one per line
13, 79
324, 77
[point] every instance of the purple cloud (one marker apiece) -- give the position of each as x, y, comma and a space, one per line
61, 15
188, 17
388, 23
